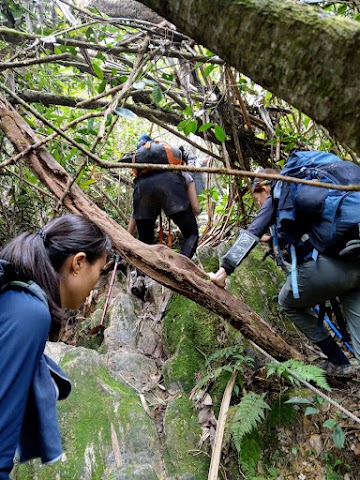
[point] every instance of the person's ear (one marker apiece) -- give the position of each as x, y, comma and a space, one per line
77, 262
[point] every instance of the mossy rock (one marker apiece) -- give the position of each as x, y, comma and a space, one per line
182, 434
257, 283
191, 333
142, 472
100, 417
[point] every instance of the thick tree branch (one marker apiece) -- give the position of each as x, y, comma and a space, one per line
170, 269
34, 61
33, 96
308, 57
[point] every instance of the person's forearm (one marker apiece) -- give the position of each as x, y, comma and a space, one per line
132, 226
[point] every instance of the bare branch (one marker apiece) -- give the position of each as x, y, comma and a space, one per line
34, 61
14, 36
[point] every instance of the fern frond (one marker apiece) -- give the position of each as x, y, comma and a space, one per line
309, 373
250, 411
227, 352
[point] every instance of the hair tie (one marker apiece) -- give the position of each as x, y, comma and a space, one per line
42, 234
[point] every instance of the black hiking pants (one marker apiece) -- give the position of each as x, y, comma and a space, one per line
186, 222
164, 191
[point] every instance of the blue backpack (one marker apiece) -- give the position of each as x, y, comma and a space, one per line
325, 218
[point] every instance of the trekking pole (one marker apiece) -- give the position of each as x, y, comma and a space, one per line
340, 321
332, 326
100, 327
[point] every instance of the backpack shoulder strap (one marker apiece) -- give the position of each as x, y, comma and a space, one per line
172, 160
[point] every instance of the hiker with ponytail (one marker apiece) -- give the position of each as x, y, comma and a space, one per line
41, 273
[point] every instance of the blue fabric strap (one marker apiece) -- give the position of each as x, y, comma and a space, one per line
315, 254
294, 283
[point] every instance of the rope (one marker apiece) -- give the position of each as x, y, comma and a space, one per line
308, 385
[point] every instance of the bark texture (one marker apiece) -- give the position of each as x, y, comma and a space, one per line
126, 9
302, 54
159, 262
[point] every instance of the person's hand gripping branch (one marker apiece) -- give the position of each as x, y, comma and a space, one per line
219, 278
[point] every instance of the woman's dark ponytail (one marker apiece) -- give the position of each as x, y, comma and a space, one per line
39, 256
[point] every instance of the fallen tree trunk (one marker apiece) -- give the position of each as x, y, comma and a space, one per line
303, 54
159, 262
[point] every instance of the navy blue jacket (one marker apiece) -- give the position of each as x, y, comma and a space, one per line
24, 325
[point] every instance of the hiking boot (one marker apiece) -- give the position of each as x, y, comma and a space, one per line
345, 371
138, 289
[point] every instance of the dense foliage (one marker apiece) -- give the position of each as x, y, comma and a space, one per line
99, 81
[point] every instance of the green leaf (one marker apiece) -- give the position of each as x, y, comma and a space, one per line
205, 127
81, 140
339, 437
100, 56
227, 368
330, 423
90, 33
311, 411
90, 125
250, 411
80, 175
157, 94
86, 184
182, 124
168, 76
126, 113
306, 372
188, 110
102, 86
342, 9
250, 453
208, 69
97, 69
191, 127
220, 134
299, 400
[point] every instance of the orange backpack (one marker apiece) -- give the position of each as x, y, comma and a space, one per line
156, 152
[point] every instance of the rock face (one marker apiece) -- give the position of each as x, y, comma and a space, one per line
121, 421
134, 414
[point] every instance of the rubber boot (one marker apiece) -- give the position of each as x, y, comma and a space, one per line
333, 351
138, 289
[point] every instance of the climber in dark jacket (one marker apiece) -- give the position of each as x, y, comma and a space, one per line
43, 272
175, 194
318, 281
